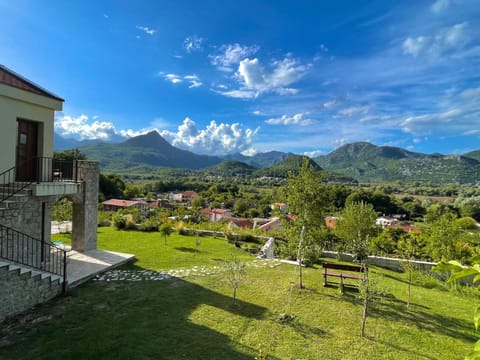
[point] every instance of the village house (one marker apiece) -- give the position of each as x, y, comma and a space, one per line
268, 224
32, 268
385, 221
240, 223
215, 215
116, 204
159, 203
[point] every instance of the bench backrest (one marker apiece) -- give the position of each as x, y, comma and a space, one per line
346, 267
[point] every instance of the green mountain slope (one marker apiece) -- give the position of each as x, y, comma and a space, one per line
367, 162
260, 160
473, 155
292, 163
229, 168
145, 150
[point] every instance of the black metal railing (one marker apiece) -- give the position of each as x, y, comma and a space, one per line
23, 249
9, 185
36, 170
55, 170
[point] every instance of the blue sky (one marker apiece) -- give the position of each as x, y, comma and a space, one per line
221, 77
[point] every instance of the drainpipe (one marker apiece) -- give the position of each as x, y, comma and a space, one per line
42, 237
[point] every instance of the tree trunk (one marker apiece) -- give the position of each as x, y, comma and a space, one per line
365, 309
410, 270
300, 272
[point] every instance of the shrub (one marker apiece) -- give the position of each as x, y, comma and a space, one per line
148, 225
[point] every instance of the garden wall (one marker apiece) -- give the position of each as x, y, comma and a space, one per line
384, 262
22, 290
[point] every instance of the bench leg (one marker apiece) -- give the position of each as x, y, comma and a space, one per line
341, 285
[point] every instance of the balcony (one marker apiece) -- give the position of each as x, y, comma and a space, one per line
55, 177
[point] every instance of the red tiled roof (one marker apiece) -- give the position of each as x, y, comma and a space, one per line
120, 203
241, 222
189, 193
292, 217
11, 78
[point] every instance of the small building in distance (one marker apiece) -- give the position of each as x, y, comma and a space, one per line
215, 215
117, 204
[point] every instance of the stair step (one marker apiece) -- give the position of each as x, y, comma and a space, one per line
12, 267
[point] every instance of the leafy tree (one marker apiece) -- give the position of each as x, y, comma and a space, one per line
165, 230
71, 154
132, 191
305, 197
241, 207
436, 211
386, 242
358, 196
447, 240
62, 210
356, 226
236, 272
111, 186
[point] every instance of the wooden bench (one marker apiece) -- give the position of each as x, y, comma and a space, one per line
345, 267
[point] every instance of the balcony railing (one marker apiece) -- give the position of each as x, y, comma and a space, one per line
36, 170
53, 170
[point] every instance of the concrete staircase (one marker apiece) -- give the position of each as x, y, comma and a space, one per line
14, 269
23, 288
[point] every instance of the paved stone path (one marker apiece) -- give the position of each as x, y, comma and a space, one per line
140, 275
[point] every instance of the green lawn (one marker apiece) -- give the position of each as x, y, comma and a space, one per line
193, 318
152, 253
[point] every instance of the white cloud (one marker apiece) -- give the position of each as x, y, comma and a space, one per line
314, 153
215, 139
429, 122
354, 110
257, 112
193, 43
297, 119
440, 5
448, 39
147, 30
329, 104
82, 128
173, 78
375, 118
192, 80
231, 55
255, 80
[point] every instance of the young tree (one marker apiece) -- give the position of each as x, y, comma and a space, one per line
307, 199
356, 225
165, 230
236, 272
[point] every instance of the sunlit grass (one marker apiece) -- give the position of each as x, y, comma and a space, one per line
193, 318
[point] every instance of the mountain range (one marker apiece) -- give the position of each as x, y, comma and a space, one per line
361, 161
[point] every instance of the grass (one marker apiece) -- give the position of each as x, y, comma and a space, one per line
193, 318
152, 253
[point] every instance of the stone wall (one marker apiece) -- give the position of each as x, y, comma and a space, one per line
383, 262
25, 215
85, 207
22, 291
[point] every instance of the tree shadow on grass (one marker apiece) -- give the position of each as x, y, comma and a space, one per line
396, 310
170, 319
188, 249
415, 353
391, 308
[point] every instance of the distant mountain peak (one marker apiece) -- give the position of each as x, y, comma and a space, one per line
151, 139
